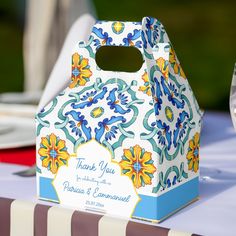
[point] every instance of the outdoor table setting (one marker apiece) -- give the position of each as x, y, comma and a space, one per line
103, 152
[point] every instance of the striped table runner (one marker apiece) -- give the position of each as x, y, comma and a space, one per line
20, 218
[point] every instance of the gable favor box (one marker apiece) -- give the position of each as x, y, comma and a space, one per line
119, 143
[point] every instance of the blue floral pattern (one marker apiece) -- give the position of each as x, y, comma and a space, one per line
116, 100
89, 99
105, 38
156, 90
104, 127
131, 37
172, 93
107, 126
181, 126
81, 125
164, 134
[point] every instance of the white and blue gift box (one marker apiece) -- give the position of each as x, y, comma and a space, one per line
124, 144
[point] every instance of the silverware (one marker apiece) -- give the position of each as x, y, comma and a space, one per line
30, 172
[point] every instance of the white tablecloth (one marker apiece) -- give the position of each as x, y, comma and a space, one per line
215, 212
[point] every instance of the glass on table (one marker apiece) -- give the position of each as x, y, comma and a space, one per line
208, 173
233, 98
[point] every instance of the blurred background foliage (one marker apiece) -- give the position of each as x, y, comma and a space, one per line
203, 33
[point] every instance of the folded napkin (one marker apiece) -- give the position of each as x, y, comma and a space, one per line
24, 110
21, 156
61, 73
54, 220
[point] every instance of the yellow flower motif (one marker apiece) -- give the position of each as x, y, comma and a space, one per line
53, 153
137, 164
163, 67
97, 112
80, 71
193, 153
169, 114
176, 66
118, 27
146, 88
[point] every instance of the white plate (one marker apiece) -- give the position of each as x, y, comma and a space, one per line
24, 110
19, 132
21, 97
5, 128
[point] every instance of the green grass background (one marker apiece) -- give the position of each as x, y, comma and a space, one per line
203, 33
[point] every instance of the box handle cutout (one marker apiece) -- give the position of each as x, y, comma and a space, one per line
111, 58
